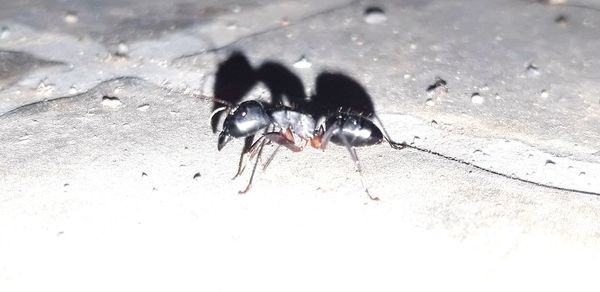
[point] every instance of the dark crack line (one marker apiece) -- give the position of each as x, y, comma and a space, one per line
269, 30
512, 177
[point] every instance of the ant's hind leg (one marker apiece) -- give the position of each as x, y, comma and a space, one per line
359, 169
327, 136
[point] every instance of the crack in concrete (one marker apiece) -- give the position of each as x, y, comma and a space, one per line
269, 30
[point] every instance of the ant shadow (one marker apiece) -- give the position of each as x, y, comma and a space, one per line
236, 77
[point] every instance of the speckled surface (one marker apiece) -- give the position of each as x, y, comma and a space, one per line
110, 178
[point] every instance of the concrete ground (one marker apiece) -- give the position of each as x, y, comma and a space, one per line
110, 178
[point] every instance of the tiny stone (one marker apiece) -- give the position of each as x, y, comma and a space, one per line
231, 26
544, 94
438, 84
143, 107
71, 17
550, 162
407, 76
302, 63
73, 89
429, 102
197, 175
109, 101
476, 98
561, 20
554, 2
374, 15
122, 49
236, 8
4, 32
532, 71
144, 174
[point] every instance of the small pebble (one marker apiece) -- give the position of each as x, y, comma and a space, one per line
144, 174
544, 94
429, 102
532, 71
71, 17
197, 175
476, 98
109, 101
143, 107
72, 89
550, 162
122, 49
302, 63
374, 15
561, 20
4, 32
438, 84
554, 2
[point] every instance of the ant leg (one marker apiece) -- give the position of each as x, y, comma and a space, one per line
359, 168
353, 155
282, 140
328, 134
271, 158
247, 148
286, 139
260, 149
386, 135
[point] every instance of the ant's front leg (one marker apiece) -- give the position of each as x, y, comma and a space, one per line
248, 143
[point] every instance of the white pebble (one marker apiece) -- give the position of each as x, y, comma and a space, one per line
122, 49
303, 63
375, 15
4, 32
476, 98
112, 102
71, 17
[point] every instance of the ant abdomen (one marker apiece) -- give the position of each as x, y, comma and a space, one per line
353, 129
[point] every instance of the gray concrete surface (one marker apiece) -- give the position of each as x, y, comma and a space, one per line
102, 194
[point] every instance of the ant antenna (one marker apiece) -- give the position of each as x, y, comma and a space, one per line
216, 111
222, 101
403, 145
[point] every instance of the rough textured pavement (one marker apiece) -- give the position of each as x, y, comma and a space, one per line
110, 178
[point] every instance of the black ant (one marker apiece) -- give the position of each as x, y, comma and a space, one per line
356, 127
279, 125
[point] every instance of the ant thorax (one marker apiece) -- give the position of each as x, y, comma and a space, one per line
299, 123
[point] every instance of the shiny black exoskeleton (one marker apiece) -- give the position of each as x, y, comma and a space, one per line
251, 117
261, 122
247, 119
352, 129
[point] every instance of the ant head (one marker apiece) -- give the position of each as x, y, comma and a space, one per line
247, 119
